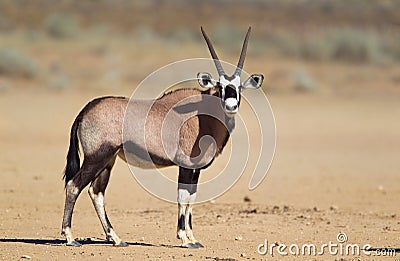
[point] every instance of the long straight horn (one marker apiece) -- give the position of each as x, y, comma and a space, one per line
213, 53
239, 67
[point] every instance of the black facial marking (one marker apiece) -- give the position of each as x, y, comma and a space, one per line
190, 220
230, 92
181, 222
229, 78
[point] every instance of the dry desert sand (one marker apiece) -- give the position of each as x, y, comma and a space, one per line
336, 170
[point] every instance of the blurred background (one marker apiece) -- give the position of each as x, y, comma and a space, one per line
299, 45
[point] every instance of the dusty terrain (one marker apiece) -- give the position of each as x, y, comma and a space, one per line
336, 169
332, 78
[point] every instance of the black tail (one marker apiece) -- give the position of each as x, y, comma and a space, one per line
73, 161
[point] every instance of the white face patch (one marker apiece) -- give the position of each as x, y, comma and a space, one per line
235, 81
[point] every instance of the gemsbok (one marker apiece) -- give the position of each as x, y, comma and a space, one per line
98, 130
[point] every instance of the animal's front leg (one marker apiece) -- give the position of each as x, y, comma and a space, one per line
187, 188
183, 203
188, 219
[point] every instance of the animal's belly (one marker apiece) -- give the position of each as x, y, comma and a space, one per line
140, 162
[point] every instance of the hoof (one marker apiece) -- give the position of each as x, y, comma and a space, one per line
193, 245
74, 244
121, 244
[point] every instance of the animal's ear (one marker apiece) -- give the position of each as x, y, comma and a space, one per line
253, 82
206, 80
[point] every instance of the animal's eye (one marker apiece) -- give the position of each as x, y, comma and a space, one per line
205, 80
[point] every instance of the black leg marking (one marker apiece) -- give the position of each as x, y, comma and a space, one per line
181, 222
190, 220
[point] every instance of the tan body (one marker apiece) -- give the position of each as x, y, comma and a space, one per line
186, 127
146, 121
147, 134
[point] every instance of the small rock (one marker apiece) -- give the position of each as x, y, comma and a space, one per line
285, 208
248, 211
238, 238
333, 208
246, 199
26, 257
243, 255
315, 209
387, 228
142, 239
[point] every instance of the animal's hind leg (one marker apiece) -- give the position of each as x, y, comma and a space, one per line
73, 188
97, 192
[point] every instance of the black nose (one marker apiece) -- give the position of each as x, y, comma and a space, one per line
231, 107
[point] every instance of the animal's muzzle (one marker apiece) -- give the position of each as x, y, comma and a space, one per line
231, 105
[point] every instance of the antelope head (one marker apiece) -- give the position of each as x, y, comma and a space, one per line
229, 87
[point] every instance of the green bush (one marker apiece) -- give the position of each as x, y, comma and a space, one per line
61, 26
315, 48
227, 36
17, 64
352, 45
302, 81
355, 46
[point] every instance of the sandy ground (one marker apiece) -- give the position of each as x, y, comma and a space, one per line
336, 169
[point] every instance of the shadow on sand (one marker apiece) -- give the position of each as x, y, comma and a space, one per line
87, 241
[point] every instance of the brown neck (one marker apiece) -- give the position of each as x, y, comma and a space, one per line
220, 131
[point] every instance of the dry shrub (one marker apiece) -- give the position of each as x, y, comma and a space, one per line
17, 64
61, 26
302, 81
356, 46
